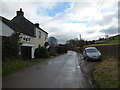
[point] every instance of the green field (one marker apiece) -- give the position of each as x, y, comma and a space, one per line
110, 40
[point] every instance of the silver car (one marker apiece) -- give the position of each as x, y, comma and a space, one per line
92, 53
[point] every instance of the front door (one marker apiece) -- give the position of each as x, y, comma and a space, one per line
26, 52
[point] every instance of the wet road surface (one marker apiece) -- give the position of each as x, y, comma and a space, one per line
60, 72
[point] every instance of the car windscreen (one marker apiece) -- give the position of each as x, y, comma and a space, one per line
92, 50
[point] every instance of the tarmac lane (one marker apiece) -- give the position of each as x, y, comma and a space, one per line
60, 72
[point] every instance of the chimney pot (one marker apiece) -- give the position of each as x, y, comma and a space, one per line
37, 25
20, 13
20, 9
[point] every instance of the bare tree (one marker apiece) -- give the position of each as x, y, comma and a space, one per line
53, 42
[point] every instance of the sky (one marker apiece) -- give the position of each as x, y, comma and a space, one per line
67, 19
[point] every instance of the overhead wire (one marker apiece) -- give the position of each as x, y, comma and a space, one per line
101, 3
114, 3
100, 6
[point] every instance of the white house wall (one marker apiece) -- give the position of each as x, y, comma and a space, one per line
39, 41
6, 30
35, 41
28, 43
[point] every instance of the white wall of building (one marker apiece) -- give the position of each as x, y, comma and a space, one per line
6, 30
39, 41
34, 41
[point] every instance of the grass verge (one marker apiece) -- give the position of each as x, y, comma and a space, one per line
94, 45
10, 66
106, 73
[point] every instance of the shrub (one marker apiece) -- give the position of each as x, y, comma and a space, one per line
61, 49
41, 52
10, 46
52, 51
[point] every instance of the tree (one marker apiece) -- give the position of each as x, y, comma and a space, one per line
10, 46
72, 42
61, 48
53, 42
82, 43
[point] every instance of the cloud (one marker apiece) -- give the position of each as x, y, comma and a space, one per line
109, 16
111, 30
67, 20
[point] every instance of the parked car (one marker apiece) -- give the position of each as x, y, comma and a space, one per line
92, 53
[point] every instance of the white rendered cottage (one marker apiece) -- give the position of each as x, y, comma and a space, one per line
32, 36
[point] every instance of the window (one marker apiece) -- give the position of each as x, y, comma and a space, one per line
45, 37
39, 34
92, 50
26, 38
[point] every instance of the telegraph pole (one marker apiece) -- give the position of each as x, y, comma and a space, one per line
80, 36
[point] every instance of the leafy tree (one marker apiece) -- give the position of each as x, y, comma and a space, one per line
10, 46
53, 42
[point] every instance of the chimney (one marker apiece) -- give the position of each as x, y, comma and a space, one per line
20, 13
37, 25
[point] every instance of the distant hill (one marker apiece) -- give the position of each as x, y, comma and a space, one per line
110, 40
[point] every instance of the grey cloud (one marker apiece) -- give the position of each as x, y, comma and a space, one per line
62, 38
90, 32
54, 29
107, 19
54, 25
110, 30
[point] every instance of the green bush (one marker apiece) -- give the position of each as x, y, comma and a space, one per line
41, 52
61, 49
52, 51
10, 46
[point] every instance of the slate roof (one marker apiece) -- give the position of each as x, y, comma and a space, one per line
22, 25
26, 24
16, 27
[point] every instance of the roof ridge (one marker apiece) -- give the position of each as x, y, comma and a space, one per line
30, 23
15, 26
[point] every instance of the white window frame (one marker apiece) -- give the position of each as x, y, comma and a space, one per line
45, 37
26, 38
